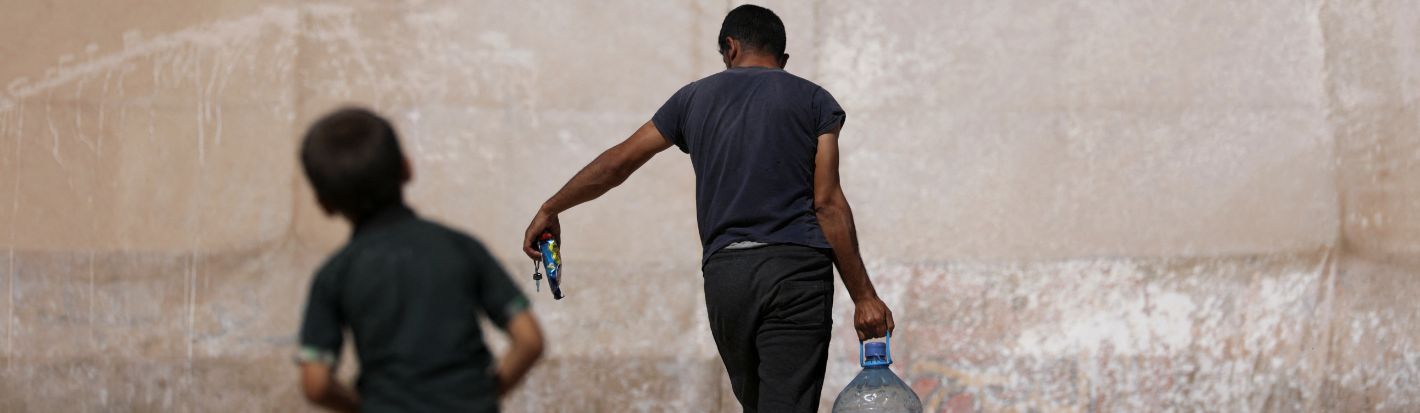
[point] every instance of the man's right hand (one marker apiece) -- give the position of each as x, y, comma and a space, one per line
542, 222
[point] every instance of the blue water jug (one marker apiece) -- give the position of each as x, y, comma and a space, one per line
876, 388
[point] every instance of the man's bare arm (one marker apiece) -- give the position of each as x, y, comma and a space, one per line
605, 172
871, 316
321, 388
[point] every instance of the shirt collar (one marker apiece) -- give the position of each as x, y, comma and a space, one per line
385, 216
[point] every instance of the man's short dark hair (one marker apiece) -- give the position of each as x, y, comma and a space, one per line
353, 161
755, 27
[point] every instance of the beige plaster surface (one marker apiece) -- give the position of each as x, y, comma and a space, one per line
1146, 206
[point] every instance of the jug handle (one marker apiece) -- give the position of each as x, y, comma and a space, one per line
863, 344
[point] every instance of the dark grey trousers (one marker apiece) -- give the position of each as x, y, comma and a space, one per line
771, 314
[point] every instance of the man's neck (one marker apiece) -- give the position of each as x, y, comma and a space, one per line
755, 60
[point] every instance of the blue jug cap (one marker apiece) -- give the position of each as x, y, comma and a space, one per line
875, 353
875, 350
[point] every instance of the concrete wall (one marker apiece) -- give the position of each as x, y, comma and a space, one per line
1070, 206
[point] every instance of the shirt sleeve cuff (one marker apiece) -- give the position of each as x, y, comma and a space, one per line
516, 306
310, 354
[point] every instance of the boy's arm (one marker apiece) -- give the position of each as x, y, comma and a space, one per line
321, 337
871, 317
524, 351
321, 388
610, 169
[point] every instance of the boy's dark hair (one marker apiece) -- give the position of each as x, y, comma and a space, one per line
353, 161
755, 27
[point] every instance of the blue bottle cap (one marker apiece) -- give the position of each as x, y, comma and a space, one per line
876, 349
875, 354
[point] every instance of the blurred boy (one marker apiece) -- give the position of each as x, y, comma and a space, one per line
410, 291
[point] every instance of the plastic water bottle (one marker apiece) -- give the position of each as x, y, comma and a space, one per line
876, 388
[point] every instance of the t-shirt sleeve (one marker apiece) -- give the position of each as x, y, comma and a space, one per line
322, 330
670, 118
827, 112
499, 298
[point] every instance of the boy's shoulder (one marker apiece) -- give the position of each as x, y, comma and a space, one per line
336, 261
416, 229
435, 228
435, 231
417, 236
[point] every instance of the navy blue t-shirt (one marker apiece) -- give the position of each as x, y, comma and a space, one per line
752, 134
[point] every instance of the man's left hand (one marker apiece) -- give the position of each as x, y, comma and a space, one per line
872, 318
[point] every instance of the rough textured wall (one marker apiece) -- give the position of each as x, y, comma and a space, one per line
1071, 206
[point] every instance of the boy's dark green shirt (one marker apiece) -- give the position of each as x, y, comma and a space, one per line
411, 291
